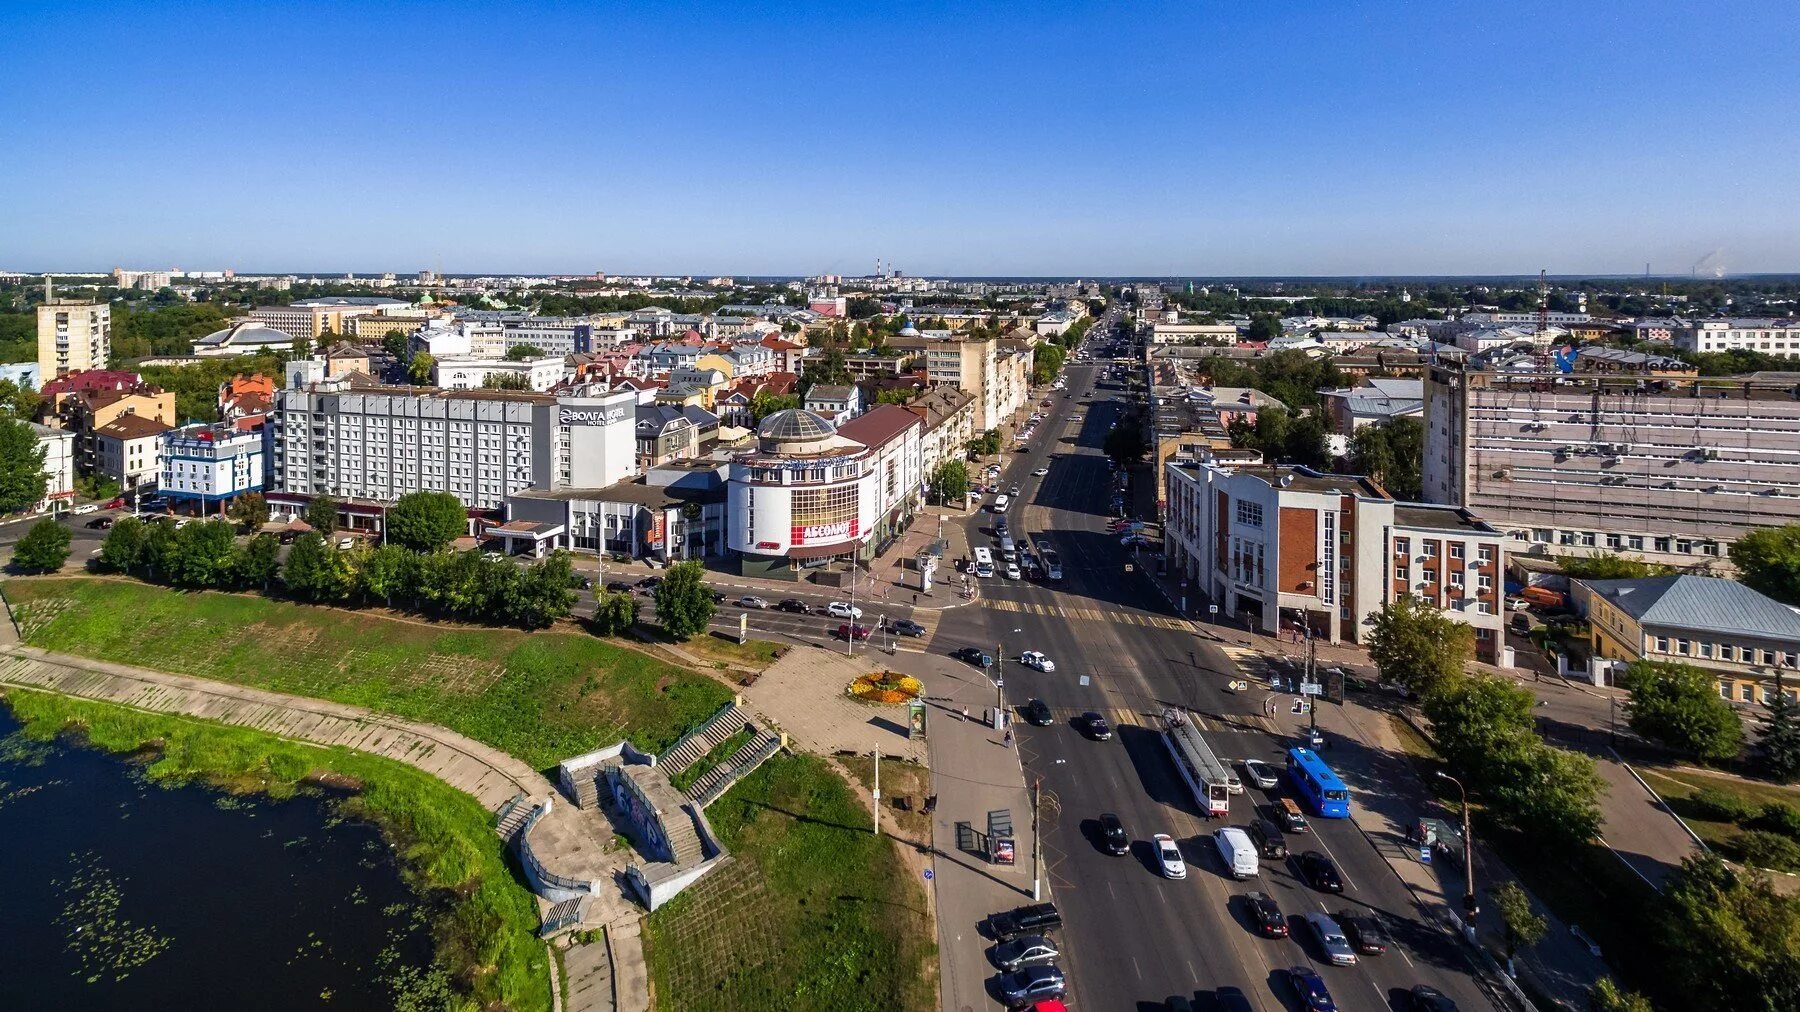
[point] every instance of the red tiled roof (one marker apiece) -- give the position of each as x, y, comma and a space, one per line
778, 344
880, 426
132, 427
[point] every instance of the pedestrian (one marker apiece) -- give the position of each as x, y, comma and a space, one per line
1007, 741
965, 713
915, 598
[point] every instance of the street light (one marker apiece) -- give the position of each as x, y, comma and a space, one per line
1000, 677
1468, 847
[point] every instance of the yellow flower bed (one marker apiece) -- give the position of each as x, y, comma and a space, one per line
886, 687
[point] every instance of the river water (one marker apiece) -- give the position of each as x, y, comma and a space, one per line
116, 893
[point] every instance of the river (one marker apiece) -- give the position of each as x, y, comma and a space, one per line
117, 893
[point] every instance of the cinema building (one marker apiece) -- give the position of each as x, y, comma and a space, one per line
813, 494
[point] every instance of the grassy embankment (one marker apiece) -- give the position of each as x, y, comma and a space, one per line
485, 920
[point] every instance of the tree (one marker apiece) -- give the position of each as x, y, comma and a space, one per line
763, 404
22, 478
161, 551
615, 612
249, 511
1417, 646
1779, 743
950, 482
44, 548
1046, 362
1524, 926
1392, 453
123, 549
1769, 561
1730, 941
1263, 327
322, 515
684, 603
545, 592
426, 521
986, 444
521, 352
505, 381
396, 344
301, 348
1551, 794
257, 561
1679, 705
205, 554
419, 368
1125, 443
20, 402
316, 571
1607, 566
1606, 996
388, 570
1476, 717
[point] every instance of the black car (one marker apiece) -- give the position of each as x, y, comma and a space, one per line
1113, 838
649, 582
1178, 1003
793, 605
1270, 921
1027, 920
1037, 713
618, 586
1364, 932
1430, 999
1230, 999
972, 655
907, 627
99, 523
580, 582
718, 597
1320, 873
1095, 726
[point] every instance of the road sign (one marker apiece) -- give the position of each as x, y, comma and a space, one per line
1311, 689
929, 875
1084, 680
1212, 609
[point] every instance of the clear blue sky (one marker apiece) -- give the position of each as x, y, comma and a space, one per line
1201, 137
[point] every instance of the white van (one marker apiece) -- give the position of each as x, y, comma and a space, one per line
1236, 850
1002, 501
984, 562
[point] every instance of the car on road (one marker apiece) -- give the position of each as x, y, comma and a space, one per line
718, 597
1037, 713
1168, 856
1331, 939
1270, 921
1425, 998
973, 655
649, 583
1036, 659
115, 504
1230, 999
1095, 726
752, 601
792, 605
99, 523
1320, 873
1043, 545
1268, 840
843, 609
344, 544
1012, 571
1261, 774
1015, 492
1030, 984
85, 508
1365, 932
618, 586
1031, 950
849, 631
1033, 919
1310, 988
1040, 472
1113, 838
907, 627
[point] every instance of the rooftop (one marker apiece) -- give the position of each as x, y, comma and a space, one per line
1705, 604
1440, 518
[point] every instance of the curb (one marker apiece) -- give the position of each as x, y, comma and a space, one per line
1660, 803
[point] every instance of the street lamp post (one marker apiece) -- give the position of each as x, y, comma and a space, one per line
1000, 678
1468, 846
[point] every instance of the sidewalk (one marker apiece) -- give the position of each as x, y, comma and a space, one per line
972, 773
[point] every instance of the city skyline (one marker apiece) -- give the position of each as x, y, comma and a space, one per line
966, 141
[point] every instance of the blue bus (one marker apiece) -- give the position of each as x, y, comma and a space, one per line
1314, 781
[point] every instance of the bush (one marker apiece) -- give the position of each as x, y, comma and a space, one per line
1723, 806
44, 548
1764, 849
1779, 817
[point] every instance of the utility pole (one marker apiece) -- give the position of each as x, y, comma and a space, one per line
878, 791
1468, 845
1312, 704
1037, 852
850, 630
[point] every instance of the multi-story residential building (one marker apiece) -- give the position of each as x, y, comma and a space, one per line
1669, 468
372, 327
86, 411
552, 335
1777, 337
665, 433
1288, 547
309, 318
72, 336
460, 373
1192, 333
1374, 402
949, 414
59, 461
837, 404
1721, 626
212, 464
128, 450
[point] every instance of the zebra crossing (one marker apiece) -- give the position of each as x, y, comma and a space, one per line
1124, 716
1090, 614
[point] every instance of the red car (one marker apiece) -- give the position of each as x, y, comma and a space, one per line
118, 503
852, 632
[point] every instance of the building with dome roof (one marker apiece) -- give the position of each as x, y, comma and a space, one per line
813, 493
243, 338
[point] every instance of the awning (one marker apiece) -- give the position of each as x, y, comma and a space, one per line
823, 551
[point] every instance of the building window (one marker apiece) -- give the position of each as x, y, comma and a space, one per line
1456, 552
1403, 574
1662, 545
1662, 644
1430, 549
1747, 692
1681, 646
1634, 542
1402, 546
1484, 554
1483, 608
1250, 514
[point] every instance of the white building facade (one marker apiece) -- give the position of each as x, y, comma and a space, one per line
211, 463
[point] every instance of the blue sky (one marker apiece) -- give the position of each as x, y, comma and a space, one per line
1204, 137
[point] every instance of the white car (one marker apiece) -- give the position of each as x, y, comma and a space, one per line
85, 508
1036, 659
1169, 856
345, 544
1012, 571
752, 601
1261, 774
1040, 472
839, 609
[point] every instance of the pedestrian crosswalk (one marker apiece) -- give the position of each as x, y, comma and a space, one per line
1090, 614
1124, 716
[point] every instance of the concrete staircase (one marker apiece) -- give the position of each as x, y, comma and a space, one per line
512, 816
587, 790
684, 839
694, 745
719, 779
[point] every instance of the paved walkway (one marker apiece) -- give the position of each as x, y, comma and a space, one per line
803, 694
492, 777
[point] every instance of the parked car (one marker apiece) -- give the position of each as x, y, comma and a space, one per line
1034, 919
619, 586
99, 523
792, 605
843, 609
907, 627
116, 503
1037, 713
1168, 856
1320, 873
973, 655
1040, 472
344, 544
1261, 774
1310, 988
752, 601
1095, 726
1331, 939
1030, 984
1424, 998
649, 583
1029, 950
84, 508
1113, 838
1365, 931
1270, 921
849, 631
1037, 660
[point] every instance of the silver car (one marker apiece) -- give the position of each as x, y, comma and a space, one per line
1032, 950
1260, 774
1332, 939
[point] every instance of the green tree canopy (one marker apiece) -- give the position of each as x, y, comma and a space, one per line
1417, 646
258, 561
615, 612
1769, 560
22, 478
684, 604
764, 404
419, 368
44, 548
1779, 743
986, 444
426, 521
1524, 926
205, 553
1392, 453
322, 515
1679, 705
521, 352
1607, 566
249, 511
123, 549
950, 482
1730, 941
1475, 717
396, 344
389, 570
318, 572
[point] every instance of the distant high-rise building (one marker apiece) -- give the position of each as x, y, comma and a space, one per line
72, 335
428, 277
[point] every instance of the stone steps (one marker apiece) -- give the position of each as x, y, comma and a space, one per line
694, 745
719, 779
